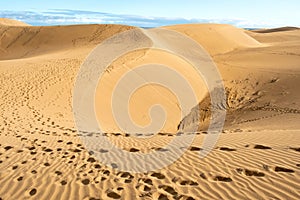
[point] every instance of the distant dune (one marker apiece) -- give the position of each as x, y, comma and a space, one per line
256, 156
28, 41
288, 28
217, 38
11, 22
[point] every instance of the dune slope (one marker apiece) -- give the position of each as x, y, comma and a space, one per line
11, 22
19, 42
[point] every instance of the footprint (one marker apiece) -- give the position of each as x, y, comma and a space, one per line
63, 182
113, 195
143, 188
237, 130
97, 166
190, 198
91, 160
144, 185
183, 197
8, 148
274, 80
278, 169
163, 197
212, 177
147, 181
162, 134
76, 150
282, 169
222, 179
85, 181
58, 173
184, 182
258, 146
226, 149
195, 148
48, 150
296, 149
168, 189
31, 148
126, 175
106, 172
158, 175
114, 165
32, 192
93, 198
133, 150
203, 176
146, 194
248, 172
159, 149
103, 150
189, 182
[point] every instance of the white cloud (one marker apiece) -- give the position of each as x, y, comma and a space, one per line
60, 17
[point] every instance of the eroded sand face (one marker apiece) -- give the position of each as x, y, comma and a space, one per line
256, 157
158, 94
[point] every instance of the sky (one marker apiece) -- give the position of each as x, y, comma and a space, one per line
151, 13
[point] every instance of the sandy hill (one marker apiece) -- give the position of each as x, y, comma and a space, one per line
217, 38
253, 75
279, 36
271, 30
43, 157
11, 22
20, 42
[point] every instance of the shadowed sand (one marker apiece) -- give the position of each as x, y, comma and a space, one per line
256, 157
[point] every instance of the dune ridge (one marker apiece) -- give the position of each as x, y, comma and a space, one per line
12, 22
271, 30
22, 42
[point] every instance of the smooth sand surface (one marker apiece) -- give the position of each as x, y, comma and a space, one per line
256, 156
11, 22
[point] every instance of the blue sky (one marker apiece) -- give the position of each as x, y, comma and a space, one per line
247, 13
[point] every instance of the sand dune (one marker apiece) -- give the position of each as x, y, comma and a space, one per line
261, 81
279, 37
256, 157
271, 30
11, 22
21, 42
217, 38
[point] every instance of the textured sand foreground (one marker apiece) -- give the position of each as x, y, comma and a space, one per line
256, 157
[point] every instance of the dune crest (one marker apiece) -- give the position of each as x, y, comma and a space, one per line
22, 42
12, 22
272, 30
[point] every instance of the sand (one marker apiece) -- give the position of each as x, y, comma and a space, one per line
12, 22
256, 156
